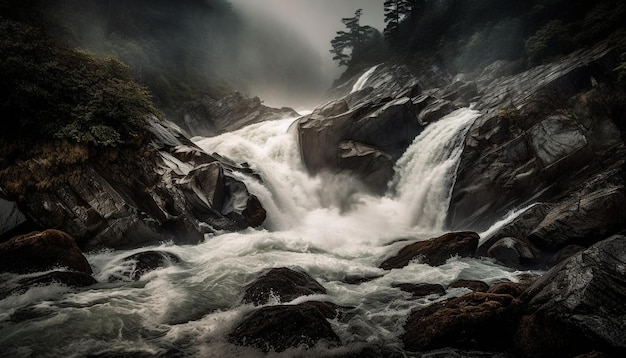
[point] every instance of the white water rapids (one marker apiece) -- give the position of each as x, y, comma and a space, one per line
320, 224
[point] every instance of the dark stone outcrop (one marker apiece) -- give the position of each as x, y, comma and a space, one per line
515, 253
478, 320
144, 262
208, 117
422, 289
42, 251
374, 167
435, 251
276, 328
283, 283
578, 306
515, 289
173, 192
474, 285
542, 134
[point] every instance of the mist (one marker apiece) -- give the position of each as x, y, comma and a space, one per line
314, 24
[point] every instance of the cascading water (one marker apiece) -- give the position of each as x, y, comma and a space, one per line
360, 83
316, 223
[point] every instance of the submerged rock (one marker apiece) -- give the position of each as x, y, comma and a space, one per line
435, 251
136, 265
422, 289
276, 328
67, 278
282, 283
42, 251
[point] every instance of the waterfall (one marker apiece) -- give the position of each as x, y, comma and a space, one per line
426, 173
360, 83
319, 223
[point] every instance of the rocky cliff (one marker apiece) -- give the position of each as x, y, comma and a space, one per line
552, 135
175, 192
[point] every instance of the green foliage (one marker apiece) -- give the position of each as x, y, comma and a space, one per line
54, 93
549, 40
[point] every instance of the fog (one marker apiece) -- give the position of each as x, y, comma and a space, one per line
315, 23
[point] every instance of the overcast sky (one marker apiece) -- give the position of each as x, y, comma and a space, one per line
316, 20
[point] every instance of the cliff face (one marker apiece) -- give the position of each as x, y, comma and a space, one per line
174, 192
553, 134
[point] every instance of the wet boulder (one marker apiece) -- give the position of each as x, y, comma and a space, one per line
42, 251
474, 285
421, 289
283, 283
435, 251
137, 265
67, 278
277, 328
373, 166
478, 320
578, 306
515, 253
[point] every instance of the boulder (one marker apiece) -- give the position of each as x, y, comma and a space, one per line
277, 328
515, 289
478, 320
208, 117
422, 289
583, 219
136, 265
371, 165
435, 251
365, 140
515, 253
67, 278
42, 251
578, 306
283, 283
474, 285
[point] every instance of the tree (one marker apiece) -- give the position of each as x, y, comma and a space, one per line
398, 12
348, 43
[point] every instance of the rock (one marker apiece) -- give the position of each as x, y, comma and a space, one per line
422, 289
476, 286
102, 206
374, 167
515, 253
483, 321
533, 142
137, 265
67, 278
435, 251
208, 117
42, 251
515, 289
10, 216
283, 283
334, 136
205, 186
582, 219
276, 328
578, 306
328, 309
565, 253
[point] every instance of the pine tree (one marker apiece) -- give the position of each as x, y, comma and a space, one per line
398, 12
351, 41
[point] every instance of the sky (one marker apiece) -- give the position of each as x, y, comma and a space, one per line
317, 21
